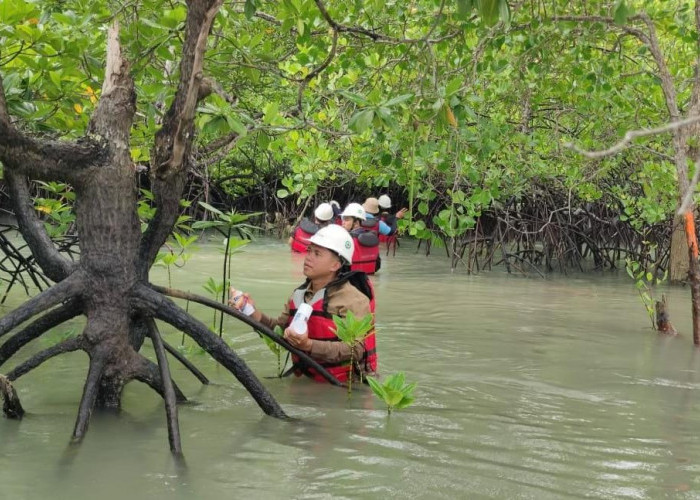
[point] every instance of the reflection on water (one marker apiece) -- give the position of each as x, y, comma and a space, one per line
527, 388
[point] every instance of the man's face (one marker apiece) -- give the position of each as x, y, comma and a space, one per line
348, 223
320, 262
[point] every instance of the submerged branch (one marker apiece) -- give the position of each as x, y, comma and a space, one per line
37, 328
63, 291
69, 345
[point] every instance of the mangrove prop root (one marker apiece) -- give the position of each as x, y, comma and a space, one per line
187, 363
11, 406
170, 400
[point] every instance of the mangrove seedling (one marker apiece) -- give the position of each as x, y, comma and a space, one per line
352, 331
645, 282
394, 391
275, 348
226, 224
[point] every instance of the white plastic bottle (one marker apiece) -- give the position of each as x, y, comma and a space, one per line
240, 302
298, 324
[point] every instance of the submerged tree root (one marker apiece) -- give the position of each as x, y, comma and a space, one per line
11, 406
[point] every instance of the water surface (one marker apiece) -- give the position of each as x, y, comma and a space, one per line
527, 388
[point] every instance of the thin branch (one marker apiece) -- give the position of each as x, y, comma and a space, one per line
633, 134
69, 345
170, 402
317, 70
379, 37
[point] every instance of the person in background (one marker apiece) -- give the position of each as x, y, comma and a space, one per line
389, 219
323, 215
331, 289
366, 256
386, 221
336, 212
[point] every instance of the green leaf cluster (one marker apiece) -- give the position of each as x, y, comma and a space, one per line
394, 391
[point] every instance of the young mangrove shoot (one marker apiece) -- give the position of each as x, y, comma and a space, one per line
395, 393
352, 331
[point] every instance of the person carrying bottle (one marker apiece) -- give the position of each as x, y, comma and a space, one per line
331, 289
323, 215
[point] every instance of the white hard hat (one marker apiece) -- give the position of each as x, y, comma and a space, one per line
354, 210
384, 201
324, 212
336, 239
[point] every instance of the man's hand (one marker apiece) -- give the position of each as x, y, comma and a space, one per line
302, 342
401, 213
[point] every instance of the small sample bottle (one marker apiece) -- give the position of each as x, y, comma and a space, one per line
240, 301
298, 324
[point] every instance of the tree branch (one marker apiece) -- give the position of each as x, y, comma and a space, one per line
55, 266
259, 327
34, 330
69, 345
633, 134
317, 70
166, 310
174, 140
170, 402
375, 36
63, 291
114, 115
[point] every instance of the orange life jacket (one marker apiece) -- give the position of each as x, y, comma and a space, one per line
321, 327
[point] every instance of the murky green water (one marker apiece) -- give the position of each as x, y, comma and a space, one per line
527, 388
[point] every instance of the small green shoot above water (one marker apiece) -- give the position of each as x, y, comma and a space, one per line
275, 348
226, 224
352, 331
395, 393
644, 282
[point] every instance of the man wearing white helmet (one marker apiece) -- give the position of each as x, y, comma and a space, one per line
366, 256
323, 215
331, 289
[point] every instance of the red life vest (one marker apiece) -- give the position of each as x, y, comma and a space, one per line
370, 225
389, 239
365, 257
303, 232
321, 327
